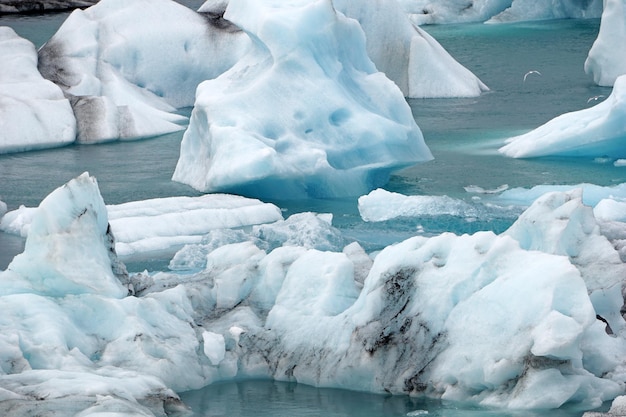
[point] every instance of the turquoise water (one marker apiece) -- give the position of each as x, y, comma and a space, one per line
463, 134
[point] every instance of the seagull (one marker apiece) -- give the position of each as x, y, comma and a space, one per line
595, 98
531, 72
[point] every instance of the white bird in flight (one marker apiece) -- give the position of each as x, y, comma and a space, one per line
595, 98
531, 72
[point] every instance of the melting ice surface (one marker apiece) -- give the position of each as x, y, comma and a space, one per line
251, 273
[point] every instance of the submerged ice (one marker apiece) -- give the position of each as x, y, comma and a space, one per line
524, 319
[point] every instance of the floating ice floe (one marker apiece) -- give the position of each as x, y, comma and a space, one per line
473, 317
596, 131
607, 60
380, 205
498, 11
305, 113
127, 66
164, 223
34, 113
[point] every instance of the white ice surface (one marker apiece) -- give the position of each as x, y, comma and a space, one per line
598, 131
380, 205
129, 65
607, 59
305, 113
33, 111
561, 224
498, 11
474, 317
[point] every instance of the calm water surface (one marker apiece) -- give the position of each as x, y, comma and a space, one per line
282, 399
463, 135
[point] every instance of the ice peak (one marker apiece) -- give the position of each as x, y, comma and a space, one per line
69, 249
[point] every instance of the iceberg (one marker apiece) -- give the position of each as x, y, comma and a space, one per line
381, 205
606, 60
598, 131
127, 67
498, 11
34, 114
475, 317
304, 113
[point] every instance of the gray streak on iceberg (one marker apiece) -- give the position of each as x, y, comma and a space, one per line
128, 66
305, 113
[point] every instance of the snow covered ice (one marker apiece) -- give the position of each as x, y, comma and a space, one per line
305, 113
35, 114
502, 320
592, 132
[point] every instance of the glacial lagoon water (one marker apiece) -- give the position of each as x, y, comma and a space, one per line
463, 134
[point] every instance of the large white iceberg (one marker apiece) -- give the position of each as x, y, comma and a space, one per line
598, 131
498, 11
33, 111
305, 113
607, 59
127, 66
